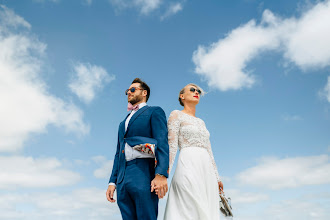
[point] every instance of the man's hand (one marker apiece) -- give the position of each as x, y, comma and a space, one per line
110, 192
159, 185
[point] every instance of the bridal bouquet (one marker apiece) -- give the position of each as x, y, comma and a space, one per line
147, 149
225, 205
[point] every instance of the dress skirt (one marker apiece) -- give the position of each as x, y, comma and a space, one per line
194, 192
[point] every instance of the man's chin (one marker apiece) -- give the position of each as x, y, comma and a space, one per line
133, 102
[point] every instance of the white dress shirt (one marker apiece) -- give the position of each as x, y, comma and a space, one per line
130, 153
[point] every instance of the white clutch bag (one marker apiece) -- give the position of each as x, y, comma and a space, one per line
225, 205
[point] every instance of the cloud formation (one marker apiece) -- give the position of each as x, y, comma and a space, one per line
26, 105
105, 167
144, 6
238, 197
27, 172
85, 203
303, 41
301, 208
88, 80
275, 173
173, 9
326, 90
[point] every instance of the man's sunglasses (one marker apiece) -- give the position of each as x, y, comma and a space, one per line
132, 90
192, 89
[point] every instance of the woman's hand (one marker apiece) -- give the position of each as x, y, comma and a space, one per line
220, 186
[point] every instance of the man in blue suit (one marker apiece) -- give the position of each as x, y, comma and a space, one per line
136, 175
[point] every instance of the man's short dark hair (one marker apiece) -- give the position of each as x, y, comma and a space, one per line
143, 85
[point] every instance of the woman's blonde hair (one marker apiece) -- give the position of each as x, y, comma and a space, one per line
190, 84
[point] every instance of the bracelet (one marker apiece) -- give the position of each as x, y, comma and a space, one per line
160, 175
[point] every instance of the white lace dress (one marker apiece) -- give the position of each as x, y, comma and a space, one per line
194, 189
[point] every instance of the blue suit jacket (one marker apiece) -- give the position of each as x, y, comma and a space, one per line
149, 122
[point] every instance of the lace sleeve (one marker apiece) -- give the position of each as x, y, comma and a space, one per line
209, 150
173, 136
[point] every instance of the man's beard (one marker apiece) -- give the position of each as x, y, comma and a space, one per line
136, 99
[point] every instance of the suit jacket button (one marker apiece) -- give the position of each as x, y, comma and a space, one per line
123, 151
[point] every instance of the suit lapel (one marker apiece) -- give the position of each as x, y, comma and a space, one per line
122, 125
139, 112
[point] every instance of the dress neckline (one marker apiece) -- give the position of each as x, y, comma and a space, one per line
187, 114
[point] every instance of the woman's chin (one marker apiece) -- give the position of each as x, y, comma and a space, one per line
194, 101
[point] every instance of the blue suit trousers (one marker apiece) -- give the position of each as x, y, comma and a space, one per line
135, 200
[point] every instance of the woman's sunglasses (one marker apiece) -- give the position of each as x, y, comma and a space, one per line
192, 89
132, 90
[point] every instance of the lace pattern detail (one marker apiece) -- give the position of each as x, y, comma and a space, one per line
188, 131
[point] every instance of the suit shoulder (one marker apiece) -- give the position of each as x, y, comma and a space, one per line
156, 108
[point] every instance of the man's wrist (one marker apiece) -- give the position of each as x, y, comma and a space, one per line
112, 184
157, 174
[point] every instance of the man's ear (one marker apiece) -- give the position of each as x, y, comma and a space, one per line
144, 92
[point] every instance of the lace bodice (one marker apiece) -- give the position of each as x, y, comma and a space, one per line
188, 131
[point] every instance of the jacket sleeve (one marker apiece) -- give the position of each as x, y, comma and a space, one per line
114, 173
160, 133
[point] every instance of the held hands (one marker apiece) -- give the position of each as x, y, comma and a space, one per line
110, 192
159, 185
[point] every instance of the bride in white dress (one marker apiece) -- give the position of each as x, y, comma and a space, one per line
194, 190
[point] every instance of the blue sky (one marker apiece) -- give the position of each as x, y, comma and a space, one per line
64, 67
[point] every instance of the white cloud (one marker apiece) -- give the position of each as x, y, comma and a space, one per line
144, 6
239, 197
287, 209
27, 172
298, 209
82, 204
313, 206
81, 162
308, 40
172, 10
326, 90
106, 167
88, 80
304, 41
277, 173
8, 19
287, 117
26, 105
